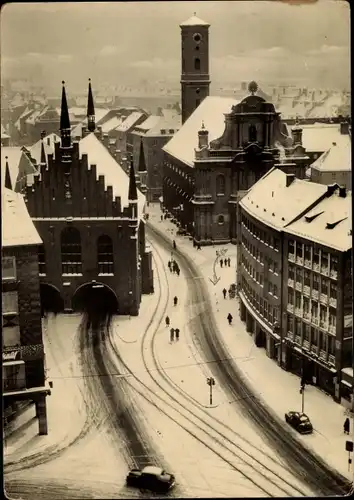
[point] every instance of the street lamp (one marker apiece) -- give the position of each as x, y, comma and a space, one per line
211, 382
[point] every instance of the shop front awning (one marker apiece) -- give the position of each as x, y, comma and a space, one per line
32, 391
13, 363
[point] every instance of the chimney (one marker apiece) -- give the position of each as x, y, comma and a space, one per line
342, 192
344, 128
331, 189
48, 141
289, 179
105, 140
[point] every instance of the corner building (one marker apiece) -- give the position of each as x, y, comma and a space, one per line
293, 311
89, 215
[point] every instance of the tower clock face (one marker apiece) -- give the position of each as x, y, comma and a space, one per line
197, 37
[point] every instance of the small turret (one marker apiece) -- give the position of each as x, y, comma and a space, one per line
296, 132
132, 192
203, 137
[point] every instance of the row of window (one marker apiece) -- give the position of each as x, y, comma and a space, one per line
327, 313
313, 281
272, 289
313, 254
261, 305
311, 335
181, 173
261, 235
258, 255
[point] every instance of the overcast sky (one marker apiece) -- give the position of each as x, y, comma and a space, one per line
126, 42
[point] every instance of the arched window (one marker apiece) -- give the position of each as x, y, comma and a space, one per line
220, 184
197, 64
221, 219
252, 133
41, 260
105, 255
71, 262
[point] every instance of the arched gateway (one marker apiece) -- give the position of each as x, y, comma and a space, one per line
95, 297
51, 299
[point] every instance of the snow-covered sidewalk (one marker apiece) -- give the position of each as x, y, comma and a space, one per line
278, 388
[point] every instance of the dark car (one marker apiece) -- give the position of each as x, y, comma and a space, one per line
151, 478
299, 421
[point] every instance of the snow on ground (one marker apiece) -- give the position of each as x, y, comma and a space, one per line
278, 388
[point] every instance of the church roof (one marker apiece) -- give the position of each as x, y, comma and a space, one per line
113, 173
17, 228
210, 111
194, 21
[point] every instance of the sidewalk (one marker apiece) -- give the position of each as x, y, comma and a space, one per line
278, 388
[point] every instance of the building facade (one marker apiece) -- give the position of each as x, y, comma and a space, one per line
23, 353
291, 275
88, 212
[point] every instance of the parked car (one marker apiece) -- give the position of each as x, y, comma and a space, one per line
151, 478
299, 421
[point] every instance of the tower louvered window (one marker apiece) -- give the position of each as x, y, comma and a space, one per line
105, 255
71, 261
220, 184
197, 64
41, 260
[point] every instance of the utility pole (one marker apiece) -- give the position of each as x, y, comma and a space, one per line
302, 392
211, 382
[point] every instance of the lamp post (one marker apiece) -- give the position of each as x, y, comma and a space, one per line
211, 382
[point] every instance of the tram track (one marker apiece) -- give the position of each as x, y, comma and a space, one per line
194, 424
308, 467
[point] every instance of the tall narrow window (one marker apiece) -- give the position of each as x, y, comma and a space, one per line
71, 262
105, 255
41, 260
252, 133
197, 64
220, 184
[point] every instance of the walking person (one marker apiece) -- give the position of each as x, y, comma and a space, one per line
172, 334
167, 321
161, 217
221, 262
229, 318
169, 265
174, 245
225, 262
199, 247
175, 300
177, 333
228, 261
224, 293
178, 271
346, 426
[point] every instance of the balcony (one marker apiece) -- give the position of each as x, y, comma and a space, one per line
306, 290
298, 339
290, 335
314, 320
324, 324
316, 267
325, 270
333, 274
290, 282
314, 294
331, 359
308, 263
332, 302
306, 345
291, 257
332, 329
324, 298
323, 355
298, 286
290, 308
299, 260
298, 311
307, 316
314, 349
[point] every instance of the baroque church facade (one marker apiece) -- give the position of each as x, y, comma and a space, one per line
202, 186
90, 217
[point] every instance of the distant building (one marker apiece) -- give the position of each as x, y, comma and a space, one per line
22, 353
16, 165
124, 140
294, 275
88, 212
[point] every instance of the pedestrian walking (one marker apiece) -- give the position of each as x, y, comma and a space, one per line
229, 318
174, 245
199, 247
169, 265
177, 333
346, 426
161, 217
228, 262
178, 271
167, 321
172, 334
175, 300
221, 262
224, 293
225, 262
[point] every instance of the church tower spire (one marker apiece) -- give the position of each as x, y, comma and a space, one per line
43, 155
91, 122
142, 162
195, 78
65, 128
8, 183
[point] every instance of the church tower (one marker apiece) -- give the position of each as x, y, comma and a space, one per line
195, 79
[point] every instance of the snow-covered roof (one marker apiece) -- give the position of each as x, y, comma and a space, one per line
129, 121
275, 204
331, 210
77, 130
348, 371
14, 155
336, 158
320, 136
149, 123
111, 124
165, 124
107, 166
33, 117
17, 226
49, 141
24, 114
210, 111
194, 21
3, 131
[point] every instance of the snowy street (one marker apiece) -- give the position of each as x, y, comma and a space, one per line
134, 398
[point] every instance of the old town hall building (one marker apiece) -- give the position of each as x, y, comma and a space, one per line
222, 148
89, 215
